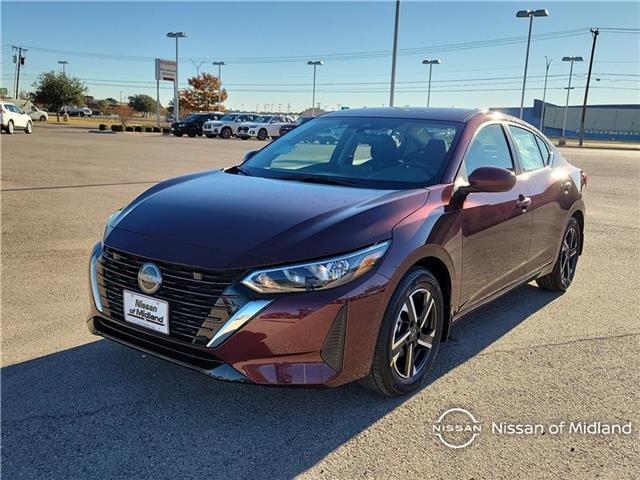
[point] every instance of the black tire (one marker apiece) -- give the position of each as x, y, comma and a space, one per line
81, 114
385, 377
192, 132
244, 137
262, 134
177, 134
29, 128
564, 269
43, 118
225, 133
210, 135
10, 127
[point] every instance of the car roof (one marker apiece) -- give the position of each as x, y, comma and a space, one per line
445, 114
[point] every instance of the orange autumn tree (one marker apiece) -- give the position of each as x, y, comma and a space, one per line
202, 94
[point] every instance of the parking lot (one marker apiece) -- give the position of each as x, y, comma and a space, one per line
75, 406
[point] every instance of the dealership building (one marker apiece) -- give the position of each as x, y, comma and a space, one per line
603, 122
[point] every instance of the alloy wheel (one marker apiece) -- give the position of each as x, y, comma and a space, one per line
413, 334
569, 255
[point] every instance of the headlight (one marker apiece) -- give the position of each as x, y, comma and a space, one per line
111, 223
319, 275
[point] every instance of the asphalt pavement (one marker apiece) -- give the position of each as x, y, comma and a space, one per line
75, 406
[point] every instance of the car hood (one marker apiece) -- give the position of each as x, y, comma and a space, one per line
236, 221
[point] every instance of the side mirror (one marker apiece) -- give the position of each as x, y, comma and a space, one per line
249, 155
490, 179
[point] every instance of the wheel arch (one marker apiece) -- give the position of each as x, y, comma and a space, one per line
441, 272
579, 216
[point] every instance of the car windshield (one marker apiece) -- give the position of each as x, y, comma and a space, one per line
229, 118
386, 153
262, 119
190, 118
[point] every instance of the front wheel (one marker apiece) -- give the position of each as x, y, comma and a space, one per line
262, 134
43, 118
10, 127
225, 133
564, 269
192, 132
409, 335
29, 128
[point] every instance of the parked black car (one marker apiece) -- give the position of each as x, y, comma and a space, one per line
192, 124
287, 128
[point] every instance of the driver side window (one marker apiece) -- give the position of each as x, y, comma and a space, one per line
489, 149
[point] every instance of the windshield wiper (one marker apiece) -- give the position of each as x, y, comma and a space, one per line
323, 180
243, 171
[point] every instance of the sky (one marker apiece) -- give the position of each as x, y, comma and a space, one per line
265, 45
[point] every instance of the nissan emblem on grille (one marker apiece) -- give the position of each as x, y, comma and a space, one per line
149, 278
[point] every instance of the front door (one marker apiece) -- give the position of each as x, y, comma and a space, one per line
495, 226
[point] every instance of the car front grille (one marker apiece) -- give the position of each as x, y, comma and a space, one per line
200, 301
243, 129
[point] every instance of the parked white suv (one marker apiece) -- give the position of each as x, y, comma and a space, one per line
73, 111
13, 117
38, 115
263, 127
227, 126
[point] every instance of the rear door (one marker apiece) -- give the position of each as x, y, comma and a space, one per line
547, 192
495, 226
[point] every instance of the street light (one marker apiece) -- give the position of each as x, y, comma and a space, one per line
315, 64
394, 55
219, 65
547, 62
431, 63
528, 14
64, 64
566, 106
176, 94
197, 65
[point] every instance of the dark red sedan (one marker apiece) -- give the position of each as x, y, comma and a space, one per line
323, 263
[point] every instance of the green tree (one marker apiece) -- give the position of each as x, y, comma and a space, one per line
142, 103
54, 90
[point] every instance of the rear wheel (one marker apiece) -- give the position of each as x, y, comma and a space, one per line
29, 128
43, 118
10, 127
81, 114
192, 132
177, 134
564, 269
409, 336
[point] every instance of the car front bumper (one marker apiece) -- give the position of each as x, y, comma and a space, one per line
323, 338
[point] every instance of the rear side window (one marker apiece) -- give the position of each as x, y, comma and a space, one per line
489, 149
527, 147
544, 150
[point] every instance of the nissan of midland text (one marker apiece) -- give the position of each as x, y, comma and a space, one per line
342, 251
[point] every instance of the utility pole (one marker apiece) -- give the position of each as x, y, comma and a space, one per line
594, 32
544, 93
20, 61
394, 54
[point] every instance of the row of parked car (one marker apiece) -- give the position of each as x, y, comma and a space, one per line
238, 124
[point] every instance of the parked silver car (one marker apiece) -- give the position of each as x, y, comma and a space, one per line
227, 126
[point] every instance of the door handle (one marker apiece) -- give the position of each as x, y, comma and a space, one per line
523, 202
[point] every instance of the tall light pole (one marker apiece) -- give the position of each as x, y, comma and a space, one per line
566, 106
547, 62
394, 54
594, 32
176, 92
64, 64
315, 64
219, 65
528, 14
431, 63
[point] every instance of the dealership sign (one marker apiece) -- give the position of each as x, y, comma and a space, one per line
165, 70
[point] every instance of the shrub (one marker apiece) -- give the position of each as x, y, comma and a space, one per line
102, 126
157, 129
116, 128
138, 128
129, 129
148, 129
